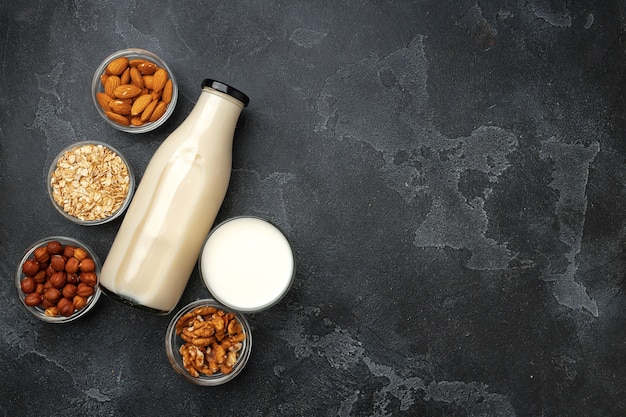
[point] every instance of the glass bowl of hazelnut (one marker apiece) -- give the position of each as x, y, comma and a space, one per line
57, 279
207, 343
90, 183
134, 90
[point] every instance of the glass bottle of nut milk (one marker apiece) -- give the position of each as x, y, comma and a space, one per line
175, 205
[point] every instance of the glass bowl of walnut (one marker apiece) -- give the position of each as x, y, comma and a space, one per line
134, 90
208, 344
57, 279
90, 183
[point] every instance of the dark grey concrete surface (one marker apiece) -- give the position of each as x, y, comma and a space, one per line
450, 173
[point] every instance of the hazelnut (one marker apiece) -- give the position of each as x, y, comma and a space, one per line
80, 254
79, 302
41, 254
72, 279
58, 279
49, 271
71, 266
52, 294
40, 277
89, 278
51, 311
30, 267
84, 290
54, 247
40, 288
69, 291
46, 304
28, 285
68, 251
33, 299
57, 262
87, 265
66, 307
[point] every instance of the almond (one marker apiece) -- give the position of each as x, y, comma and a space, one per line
112, 82
158, 111
145, 115
167, 92
117, 118
147, 81
103, 79
125, 77
147, 68
159, 79
120, 107
140, 104
126, 91
103, 100
136, 77
136, 61
117, 66
136, 121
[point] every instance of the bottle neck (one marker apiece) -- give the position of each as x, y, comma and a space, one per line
214, 110
225, 96
214, 117
227, 89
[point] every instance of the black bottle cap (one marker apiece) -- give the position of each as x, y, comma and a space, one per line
226, 89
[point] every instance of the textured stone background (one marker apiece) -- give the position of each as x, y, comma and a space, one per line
451, 175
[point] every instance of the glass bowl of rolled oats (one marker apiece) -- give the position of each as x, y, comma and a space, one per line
90, 183
207, 343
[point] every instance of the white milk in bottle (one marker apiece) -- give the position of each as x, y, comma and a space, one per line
175, 205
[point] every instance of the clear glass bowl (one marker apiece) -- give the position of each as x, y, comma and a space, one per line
133, 53
75, 218
38, 311
173, 342
247, 264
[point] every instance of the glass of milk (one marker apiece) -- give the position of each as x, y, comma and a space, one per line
247, 264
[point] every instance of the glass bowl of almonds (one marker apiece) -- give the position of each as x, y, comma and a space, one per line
207, 343
90, 183
57, 279
134, 90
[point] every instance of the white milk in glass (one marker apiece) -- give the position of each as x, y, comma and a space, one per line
247, 264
